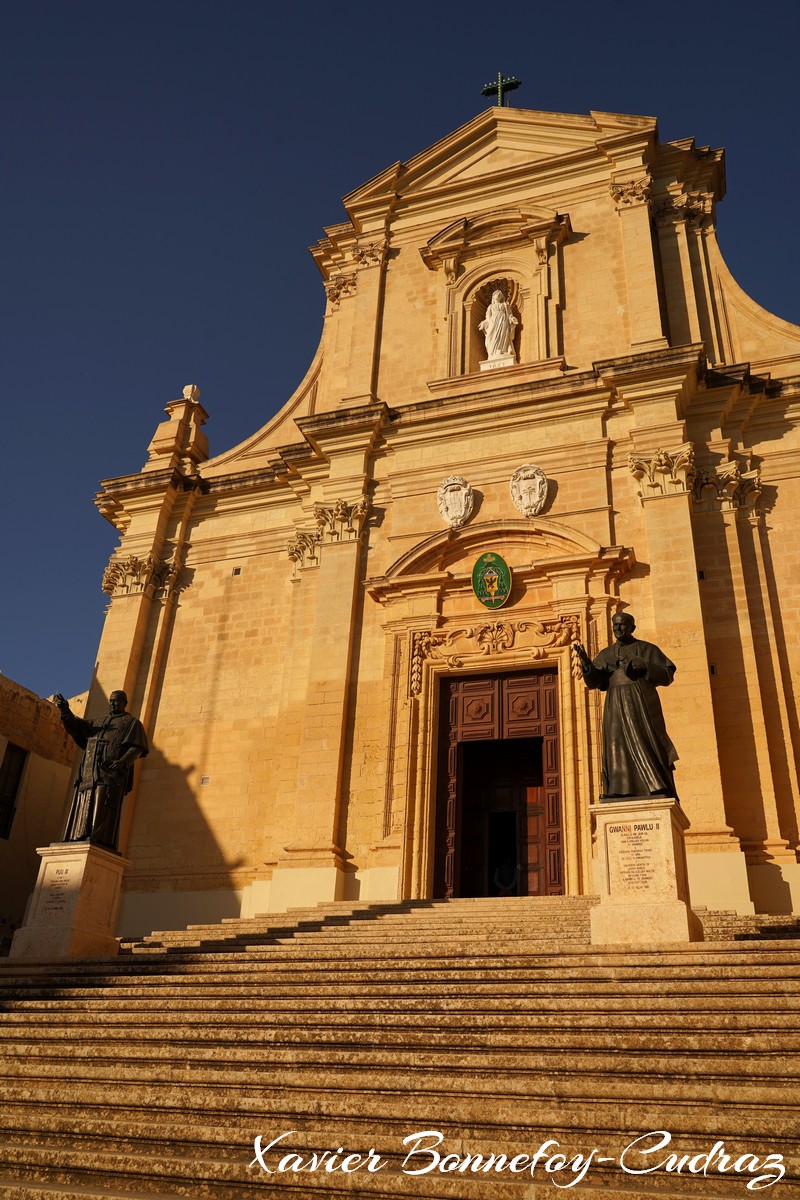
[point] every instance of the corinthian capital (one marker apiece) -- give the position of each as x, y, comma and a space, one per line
631, 192
665, 472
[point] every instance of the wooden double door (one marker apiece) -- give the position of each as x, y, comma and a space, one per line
498, 815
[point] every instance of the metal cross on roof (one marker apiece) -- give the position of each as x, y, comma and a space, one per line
500, 88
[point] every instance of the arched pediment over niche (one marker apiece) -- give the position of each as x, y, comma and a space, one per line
492, 233
533, 546
520, 251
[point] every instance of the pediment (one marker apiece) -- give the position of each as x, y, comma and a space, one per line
497, 141
492, 231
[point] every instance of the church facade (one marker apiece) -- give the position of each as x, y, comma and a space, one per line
539, 399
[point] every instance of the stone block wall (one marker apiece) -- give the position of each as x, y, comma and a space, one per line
33, 724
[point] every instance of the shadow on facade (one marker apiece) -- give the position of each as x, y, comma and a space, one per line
760, 751
182, 877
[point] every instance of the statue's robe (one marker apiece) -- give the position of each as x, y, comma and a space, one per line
498, 330
97, 803
638, 755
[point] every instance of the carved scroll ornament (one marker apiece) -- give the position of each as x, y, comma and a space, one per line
664, 473
727, 485
631, 192
337, 522
341, 285
538, 638
370, 254
134, 575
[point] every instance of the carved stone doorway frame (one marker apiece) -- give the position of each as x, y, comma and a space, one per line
419, 846
435, 628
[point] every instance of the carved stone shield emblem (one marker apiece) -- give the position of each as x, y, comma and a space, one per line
456, 501
529, 489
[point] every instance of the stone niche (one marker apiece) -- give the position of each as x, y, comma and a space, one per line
515, 251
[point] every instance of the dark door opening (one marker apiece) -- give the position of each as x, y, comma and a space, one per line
498, 811
501, 781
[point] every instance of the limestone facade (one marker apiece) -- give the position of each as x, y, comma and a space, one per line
36, 759
285, 616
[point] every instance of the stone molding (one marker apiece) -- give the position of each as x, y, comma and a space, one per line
726, 485
631, 192
665, 472
134, 576
538, 638
333, 523
341, 286
370, 254
490, 233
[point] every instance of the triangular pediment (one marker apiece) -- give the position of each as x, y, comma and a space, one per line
497, 141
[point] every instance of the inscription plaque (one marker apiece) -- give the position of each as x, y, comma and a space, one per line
57, 886
633, 856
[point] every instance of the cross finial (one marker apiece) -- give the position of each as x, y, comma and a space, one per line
500, 88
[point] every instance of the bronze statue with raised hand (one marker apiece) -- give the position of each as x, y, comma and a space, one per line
105, 776
638, 756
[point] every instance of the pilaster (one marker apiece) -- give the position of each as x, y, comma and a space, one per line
644, 315
143, 578
326, 556
656, 390
684, 320
354, 270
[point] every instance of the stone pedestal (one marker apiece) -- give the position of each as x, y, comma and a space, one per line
503, 360
73, 911
644, 892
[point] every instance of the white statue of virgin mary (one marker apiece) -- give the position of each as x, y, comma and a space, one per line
498, 327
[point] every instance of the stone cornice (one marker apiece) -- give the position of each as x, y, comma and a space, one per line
696, 168
508, 379
635, 368
469, 408
345, 428
117, 494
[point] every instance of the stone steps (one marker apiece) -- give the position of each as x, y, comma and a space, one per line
669, 1009
15, 1036
472, 915
150, 1075
427, 987
290, 976
567, 917
697, 955
748, 1025
33, 1058
714, 958
139, 1175
191, 1104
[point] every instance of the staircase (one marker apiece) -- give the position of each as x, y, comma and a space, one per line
492, 1022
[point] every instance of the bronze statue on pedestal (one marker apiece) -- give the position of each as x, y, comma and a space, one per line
105, 776
638, 755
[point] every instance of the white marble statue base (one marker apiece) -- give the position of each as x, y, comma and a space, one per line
73, 911
503, 360
643, 882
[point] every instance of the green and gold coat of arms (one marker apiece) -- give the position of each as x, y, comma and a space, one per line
491, 580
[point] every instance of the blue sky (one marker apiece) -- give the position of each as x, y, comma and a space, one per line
167, 163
